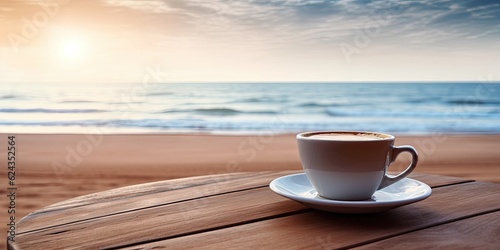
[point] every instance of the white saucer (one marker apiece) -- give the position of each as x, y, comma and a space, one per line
298, 188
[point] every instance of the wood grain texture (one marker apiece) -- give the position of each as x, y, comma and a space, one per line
141, 196
136, 197
171, 220
478, 232
174, 210
319, 230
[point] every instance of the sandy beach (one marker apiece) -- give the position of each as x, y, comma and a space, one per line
52, 168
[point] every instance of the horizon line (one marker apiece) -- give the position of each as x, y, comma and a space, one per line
269, 82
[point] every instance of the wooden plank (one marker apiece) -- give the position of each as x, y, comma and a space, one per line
164, 221
479, 232
437, 180
320, 230
135, 197
168, 221
146, 188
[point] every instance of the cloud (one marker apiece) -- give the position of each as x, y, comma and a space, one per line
275, 21
203, 33
150, 6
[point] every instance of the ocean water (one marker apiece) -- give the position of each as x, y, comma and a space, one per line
250, 107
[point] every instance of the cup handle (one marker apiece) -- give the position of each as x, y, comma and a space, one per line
389, 180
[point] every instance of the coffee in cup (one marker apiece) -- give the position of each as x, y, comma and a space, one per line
350, 165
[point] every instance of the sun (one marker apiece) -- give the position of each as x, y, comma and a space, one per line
72, 49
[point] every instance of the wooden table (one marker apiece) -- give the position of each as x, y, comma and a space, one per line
239, 211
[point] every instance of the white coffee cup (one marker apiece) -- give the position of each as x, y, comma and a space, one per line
350, 165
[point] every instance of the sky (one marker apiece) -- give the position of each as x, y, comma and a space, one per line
95, 41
